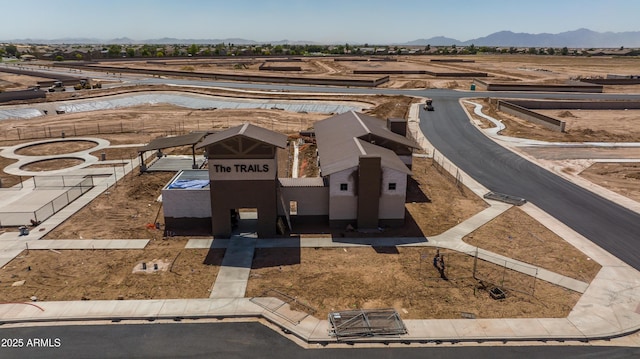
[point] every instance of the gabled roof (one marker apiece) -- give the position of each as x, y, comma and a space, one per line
249, 131
175, 141
340, 142
355, 124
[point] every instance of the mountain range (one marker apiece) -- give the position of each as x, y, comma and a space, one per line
581, 38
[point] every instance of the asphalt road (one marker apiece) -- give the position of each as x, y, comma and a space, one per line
613, 227
245, 340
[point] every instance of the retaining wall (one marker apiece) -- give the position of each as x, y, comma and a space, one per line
577, 105
577, 87
525, 114
420, 72
235, 77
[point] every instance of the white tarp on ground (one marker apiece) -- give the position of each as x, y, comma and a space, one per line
24, 113
192, 101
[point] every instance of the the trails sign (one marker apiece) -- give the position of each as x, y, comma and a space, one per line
245, 169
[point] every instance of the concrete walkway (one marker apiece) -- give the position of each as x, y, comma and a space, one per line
233, 275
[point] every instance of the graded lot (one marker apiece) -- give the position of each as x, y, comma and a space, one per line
327, 279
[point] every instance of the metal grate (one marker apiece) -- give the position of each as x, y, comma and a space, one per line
366, 323
516, 201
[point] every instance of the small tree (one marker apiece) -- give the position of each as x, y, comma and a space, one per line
193, 49
59, 58
565, 51
11, 50
114, 50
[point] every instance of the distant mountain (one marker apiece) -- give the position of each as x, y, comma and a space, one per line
434, 41
581, 38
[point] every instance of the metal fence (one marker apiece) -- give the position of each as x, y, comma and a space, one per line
505, 274
447, 169
76, 187
74, 130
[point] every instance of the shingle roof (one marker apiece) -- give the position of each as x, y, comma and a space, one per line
250, 131
340, 145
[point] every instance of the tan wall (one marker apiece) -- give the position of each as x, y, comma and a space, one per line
312, 201
343, 204
392, 202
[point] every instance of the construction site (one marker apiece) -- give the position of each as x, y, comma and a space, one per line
78, 183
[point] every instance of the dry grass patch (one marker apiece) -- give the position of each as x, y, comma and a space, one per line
332, 279
517, 235
434, 201
108, 274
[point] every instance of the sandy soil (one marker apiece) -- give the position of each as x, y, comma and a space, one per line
108, 274
13, 82
517, 235
333, 279
581, 125
622, 178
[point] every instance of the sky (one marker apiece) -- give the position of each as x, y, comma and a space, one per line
323, 21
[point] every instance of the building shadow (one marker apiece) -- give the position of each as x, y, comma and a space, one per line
214, 257
386, 249
415, 193
275, 257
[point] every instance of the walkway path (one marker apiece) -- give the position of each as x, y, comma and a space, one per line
232, 278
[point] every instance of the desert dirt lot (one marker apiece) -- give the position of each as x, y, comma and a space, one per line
326, 279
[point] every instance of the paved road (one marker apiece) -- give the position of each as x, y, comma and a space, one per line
613, 227
246, 340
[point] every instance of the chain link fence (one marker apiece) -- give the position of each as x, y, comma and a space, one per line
73, 186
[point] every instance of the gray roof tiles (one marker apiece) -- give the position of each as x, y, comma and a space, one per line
250, 131
340, 145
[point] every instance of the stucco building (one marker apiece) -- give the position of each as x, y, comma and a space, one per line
364, 163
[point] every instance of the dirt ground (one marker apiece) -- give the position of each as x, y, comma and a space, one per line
517, 235
581, 125
622, 178
108, 274
334, 279
500, 68
326, 279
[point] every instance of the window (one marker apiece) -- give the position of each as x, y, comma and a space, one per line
344, 187
392, 186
